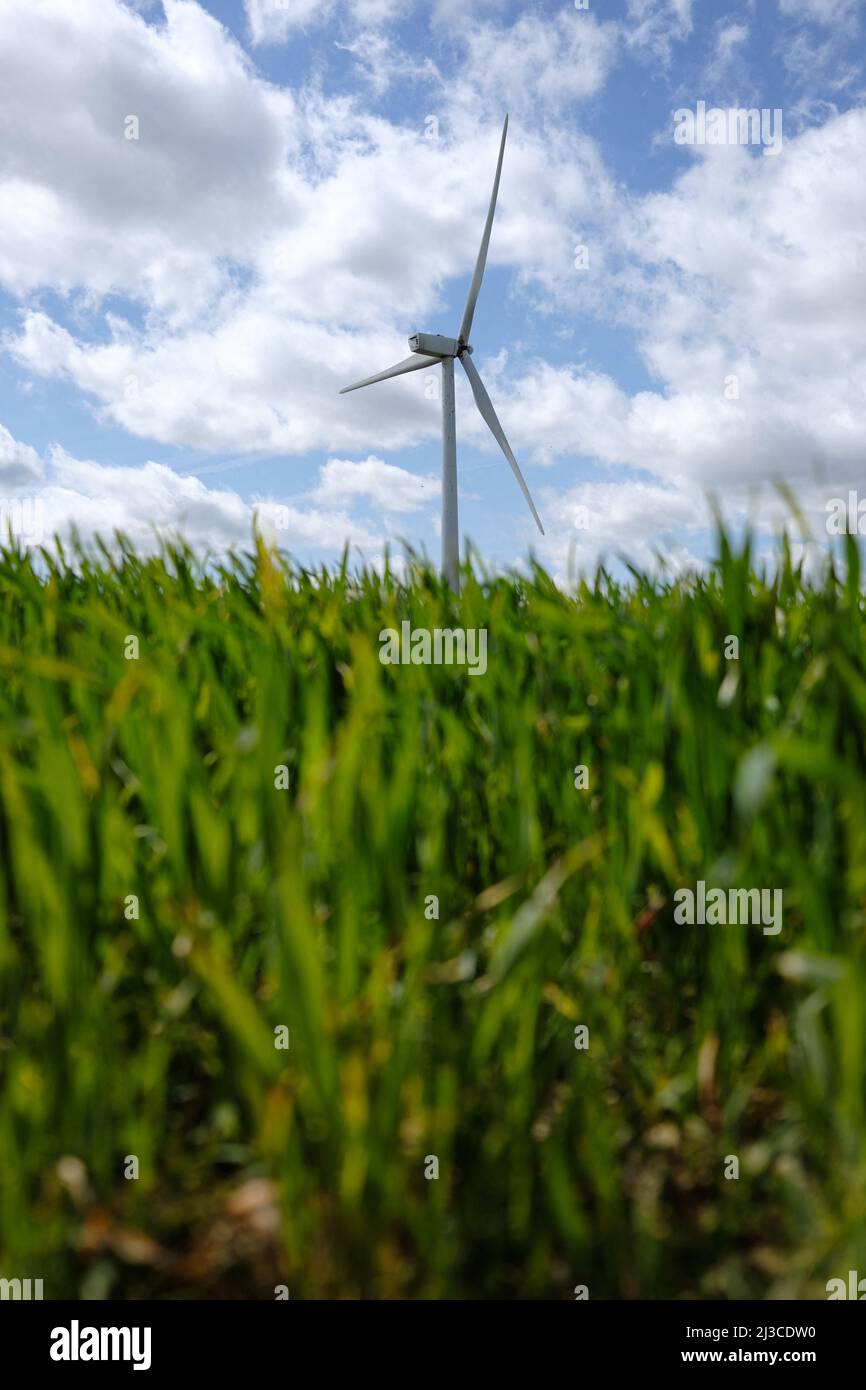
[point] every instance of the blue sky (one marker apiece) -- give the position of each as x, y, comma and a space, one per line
307, 185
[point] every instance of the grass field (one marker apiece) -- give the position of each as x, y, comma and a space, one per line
148, 785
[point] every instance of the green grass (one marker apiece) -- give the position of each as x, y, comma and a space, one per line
154, 1036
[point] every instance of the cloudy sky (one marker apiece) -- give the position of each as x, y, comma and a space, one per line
215, 214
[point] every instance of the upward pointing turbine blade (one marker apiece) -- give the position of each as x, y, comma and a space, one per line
409, 364
485, 406
478, 275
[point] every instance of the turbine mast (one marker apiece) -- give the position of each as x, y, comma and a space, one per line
450, 534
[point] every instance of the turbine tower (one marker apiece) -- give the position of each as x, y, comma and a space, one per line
429, 349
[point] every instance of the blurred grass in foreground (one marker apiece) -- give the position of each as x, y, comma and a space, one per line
412, 1037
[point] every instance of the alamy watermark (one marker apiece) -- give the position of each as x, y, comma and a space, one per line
855, 1288
846, 518
729, 126
447, 646
716, 907
77, 1343
23, 1290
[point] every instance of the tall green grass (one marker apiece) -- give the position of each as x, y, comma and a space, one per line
410, 1037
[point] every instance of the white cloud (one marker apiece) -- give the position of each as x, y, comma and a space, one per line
343, 256
653, 26
274, 21
382, 62
154, 500
160, 217
98, 498
251, 384
272, 241
765, 280
822, 11
390, 488
591, 522
825, 64
756, 270
535, 64
20, 465
288, 526
730, 39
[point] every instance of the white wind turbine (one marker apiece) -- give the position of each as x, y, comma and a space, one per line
427, 350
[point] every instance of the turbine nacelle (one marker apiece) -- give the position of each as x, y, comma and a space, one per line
434, 345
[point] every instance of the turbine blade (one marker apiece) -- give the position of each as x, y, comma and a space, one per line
478, 274
488, 414
409, 364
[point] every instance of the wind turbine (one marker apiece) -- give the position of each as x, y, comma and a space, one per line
428, 349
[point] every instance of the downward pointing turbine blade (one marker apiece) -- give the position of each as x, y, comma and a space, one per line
409, 364
485, 405
468, 312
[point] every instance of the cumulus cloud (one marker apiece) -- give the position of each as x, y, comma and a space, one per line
765, 281
20, 465
250, 384
145, 503
594, 522
749, 319
392, 489
161, 216
141, 502
257, 246
535, 65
